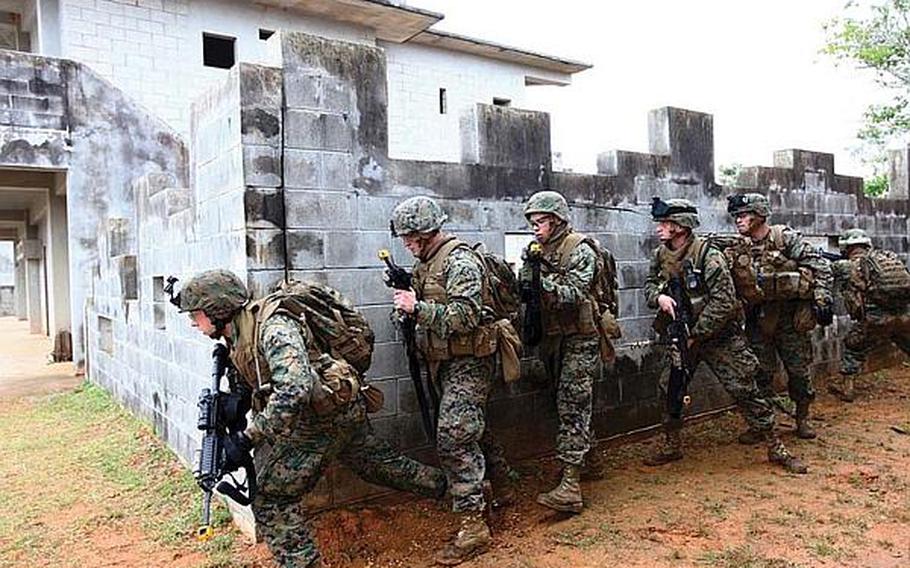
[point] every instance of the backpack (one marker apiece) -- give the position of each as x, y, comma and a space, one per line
504, 290
335, 326
886, 277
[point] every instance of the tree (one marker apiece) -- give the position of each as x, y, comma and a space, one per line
877, 40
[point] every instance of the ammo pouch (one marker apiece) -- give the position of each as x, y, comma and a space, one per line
794, 284
337, 384
481, 342
509, 349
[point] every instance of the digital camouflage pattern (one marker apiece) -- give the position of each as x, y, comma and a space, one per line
294, 445
749, 203
464, 381
771, 331
874, 325
852, 237
550, 202
681, 218
719, 340
218, 293
572, 360
417, 215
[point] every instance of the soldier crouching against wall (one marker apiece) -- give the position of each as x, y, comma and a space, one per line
270, 349
570, 346
875, 285
715, 333
451, 302
796, 285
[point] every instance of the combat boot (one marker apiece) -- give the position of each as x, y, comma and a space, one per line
594, 468
780, 455
751, 437
803, 428
472, 538
671, 449
843, 388
503, 487
566, 497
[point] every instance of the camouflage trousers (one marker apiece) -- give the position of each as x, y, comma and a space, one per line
289, 468
730, 359
794, 349
878, 328
461, 431
576, 364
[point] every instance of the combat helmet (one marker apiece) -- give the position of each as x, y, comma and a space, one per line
218, 293
680, 211
852, 237
749, 203
550, 202
417, 215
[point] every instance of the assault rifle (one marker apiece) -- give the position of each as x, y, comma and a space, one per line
832, 256
221, 414
532, 326
677, 334
427, 398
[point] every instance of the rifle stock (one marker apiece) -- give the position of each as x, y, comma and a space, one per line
427, 397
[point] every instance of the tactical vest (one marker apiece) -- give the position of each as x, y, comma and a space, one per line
689, 266
430, 285
780, 277
574, 319
336, 383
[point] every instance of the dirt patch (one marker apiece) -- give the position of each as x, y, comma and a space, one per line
78, 473
724, 505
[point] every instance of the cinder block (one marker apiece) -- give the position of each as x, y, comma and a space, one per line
306, 249
303, 169
389, 360
351, 250
317, 209
313, 130
317, 92
265, 249
261, 166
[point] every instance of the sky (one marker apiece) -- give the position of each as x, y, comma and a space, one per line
755, 65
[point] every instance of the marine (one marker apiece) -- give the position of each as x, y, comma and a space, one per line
458, 339
875, 287
570, 346
796, 284
295, 432
715, 334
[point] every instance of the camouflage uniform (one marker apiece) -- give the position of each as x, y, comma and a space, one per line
874, 324
570, 349
777, 327
454, 335
716, 332
293, 444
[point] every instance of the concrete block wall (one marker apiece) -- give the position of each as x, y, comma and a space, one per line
7, 301
340, 184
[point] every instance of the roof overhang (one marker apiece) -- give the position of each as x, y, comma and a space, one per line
481, 48
392, 20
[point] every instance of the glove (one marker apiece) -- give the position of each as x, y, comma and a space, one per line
237, 451
824, 313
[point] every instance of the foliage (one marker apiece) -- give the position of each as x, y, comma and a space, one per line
877, 185
727, 174
877, 38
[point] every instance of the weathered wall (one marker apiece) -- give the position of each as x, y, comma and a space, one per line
340, 185
7, 301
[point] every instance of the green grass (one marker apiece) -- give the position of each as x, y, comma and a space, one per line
77, 463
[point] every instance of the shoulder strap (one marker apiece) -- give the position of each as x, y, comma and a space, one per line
567, 245
435, 265
777, 236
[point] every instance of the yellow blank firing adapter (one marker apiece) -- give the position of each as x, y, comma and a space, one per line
384, 254
536, 248
205, 533
687, 400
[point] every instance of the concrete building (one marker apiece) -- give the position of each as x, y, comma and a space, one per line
290, 165
163, 54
